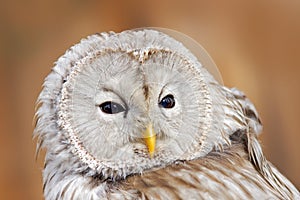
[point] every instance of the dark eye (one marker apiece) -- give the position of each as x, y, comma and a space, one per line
168, 101
110, 107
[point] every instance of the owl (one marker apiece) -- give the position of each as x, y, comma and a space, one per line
136, 115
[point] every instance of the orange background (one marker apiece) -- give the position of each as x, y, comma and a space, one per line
256, 45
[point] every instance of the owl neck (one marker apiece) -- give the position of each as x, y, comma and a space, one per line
62, 183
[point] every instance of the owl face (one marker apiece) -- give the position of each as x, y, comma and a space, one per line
128, 102
112, 99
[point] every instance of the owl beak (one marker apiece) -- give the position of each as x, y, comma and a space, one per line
150, 139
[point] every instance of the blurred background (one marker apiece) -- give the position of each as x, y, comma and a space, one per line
255, 44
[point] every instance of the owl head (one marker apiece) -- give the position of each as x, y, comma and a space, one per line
118, 104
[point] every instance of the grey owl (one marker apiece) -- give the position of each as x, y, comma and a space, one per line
136, 115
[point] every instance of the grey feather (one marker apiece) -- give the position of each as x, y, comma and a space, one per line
206, 148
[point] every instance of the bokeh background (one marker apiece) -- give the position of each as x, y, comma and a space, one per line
256, 45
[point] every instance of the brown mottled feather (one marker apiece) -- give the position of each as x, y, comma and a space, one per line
228, 174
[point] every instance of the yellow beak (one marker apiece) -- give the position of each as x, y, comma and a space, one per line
150, 139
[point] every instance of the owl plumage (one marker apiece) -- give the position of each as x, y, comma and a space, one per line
135, 115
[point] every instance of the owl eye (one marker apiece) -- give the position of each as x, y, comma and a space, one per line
168, 101
110, 107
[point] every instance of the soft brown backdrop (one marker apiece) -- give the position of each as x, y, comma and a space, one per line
256, 45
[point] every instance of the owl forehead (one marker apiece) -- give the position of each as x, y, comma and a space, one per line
142, 69
144, 57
